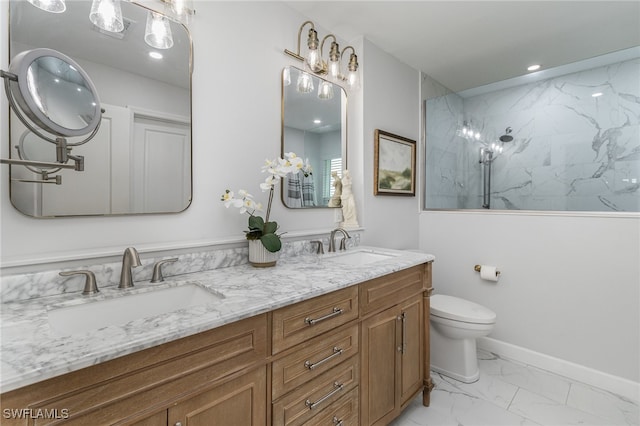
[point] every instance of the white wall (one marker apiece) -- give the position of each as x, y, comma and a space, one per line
235, 127
391, 103
570, 285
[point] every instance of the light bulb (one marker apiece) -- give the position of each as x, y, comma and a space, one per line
353, 80
334, 69
54, 6
313, 59
158, 31
334, 60
107, 15
325, 90
305, 83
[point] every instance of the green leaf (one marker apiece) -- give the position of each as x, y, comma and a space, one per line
256, 223
271, 242
270, 227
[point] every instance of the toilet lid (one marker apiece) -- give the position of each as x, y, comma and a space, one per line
458, 309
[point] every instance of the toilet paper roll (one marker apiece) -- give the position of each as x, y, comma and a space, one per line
489, 273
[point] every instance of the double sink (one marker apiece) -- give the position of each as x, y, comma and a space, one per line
135, 304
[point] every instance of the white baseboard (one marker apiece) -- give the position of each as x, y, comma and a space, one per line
618, 385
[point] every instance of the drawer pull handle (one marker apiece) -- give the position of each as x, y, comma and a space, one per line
337, 421
311, 365
311, 321
337, 388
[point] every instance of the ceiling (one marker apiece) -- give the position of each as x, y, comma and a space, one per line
466, 44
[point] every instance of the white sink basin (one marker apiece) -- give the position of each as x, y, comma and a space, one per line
360, 257
128, 307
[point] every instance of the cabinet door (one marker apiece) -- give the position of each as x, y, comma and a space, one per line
411, 343
240, 402
379, 364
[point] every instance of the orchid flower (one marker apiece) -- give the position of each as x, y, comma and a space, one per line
276, 169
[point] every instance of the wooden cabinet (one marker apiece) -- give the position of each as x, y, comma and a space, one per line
393, 344
242, 401
140, 387
316, 368
300, 322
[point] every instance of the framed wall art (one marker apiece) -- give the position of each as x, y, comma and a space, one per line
394, 165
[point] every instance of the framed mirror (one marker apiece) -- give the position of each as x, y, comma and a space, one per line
140, 159
314, 126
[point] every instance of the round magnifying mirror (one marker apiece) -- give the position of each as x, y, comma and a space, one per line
55, 93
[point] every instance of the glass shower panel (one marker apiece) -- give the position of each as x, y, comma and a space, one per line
575, 144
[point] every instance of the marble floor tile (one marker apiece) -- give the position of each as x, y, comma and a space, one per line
510, 393
596, 401
526, 377
546, 411
488, 388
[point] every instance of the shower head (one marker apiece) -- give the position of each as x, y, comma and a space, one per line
507, 135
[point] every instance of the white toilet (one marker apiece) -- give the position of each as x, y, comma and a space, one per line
455, 325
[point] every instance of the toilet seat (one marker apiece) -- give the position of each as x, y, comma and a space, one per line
456, 309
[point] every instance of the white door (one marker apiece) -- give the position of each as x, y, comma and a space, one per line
161, 165
89, 192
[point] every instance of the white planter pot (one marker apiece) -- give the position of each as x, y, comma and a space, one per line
259, 256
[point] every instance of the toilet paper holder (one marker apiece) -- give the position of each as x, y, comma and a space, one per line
478, 267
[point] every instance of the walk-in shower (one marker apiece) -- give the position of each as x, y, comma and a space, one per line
564, 149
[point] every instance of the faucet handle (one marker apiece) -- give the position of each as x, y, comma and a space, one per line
320, 248
157, 270
90, 285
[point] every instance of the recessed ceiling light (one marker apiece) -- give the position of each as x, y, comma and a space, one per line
316, 121
155, 55
533, 67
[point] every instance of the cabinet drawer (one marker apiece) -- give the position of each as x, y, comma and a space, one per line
300, 405
312, 359
345, 410
296, 323
381, 293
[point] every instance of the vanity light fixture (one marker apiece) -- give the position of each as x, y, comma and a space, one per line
53, 6
107, 15
157, 32
315, 62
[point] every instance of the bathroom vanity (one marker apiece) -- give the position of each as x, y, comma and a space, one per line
316, 340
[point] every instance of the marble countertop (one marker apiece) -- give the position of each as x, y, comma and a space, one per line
32, 351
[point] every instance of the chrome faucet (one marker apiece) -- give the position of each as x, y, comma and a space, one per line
332, 243
130, 259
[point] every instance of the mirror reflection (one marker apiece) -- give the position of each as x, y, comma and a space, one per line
140, 159
314, 127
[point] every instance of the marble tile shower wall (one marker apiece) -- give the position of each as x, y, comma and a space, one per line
571, 151
49, 283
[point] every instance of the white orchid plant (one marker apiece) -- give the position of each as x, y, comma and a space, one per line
259, 228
